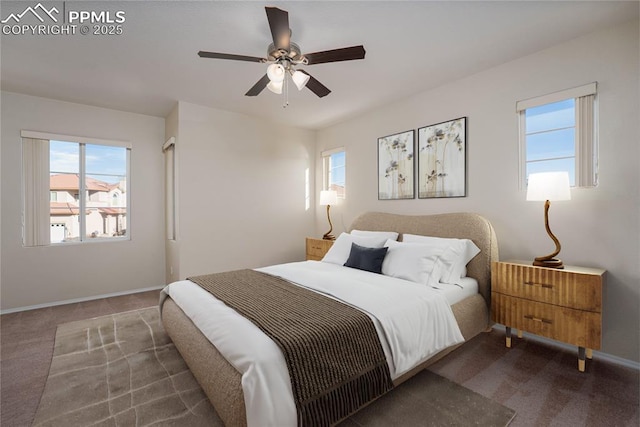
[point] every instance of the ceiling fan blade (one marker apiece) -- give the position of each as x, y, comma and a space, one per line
279, 24
336, 55
216, 55
258, 87
315, 86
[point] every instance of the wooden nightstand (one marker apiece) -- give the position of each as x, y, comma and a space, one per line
561, 304
317, 248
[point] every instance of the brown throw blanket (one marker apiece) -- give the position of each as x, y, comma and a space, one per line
335, 359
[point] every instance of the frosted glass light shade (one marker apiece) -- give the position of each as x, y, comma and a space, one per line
275, 72
300, 79
328, 197
549, 186
275, 87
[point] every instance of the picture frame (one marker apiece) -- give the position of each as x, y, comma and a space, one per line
442, 159
396, 166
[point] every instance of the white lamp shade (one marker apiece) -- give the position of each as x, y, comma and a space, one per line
300, 79
275, 87
328, 197
275, 72
549, 186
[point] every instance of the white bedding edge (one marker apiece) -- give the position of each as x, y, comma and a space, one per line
265, 379
454, 293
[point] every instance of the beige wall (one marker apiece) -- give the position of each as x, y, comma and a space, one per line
41, 275
598, 227
241, 191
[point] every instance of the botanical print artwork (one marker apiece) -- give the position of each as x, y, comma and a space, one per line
442, 159
395, 166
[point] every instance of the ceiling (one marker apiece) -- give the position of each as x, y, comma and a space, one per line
411, 47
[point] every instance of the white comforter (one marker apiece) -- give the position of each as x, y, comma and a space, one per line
413, 322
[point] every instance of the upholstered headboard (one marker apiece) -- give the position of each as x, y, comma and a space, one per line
460, 225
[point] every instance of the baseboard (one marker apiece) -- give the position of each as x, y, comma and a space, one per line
553, 343
75, 300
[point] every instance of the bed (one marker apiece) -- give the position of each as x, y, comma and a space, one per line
223, 383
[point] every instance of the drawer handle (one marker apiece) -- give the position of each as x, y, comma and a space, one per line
537, 319
542, 285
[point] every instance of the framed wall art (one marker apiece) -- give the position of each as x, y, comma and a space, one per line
442, 159
395, 166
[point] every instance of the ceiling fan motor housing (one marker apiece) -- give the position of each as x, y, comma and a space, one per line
293, 54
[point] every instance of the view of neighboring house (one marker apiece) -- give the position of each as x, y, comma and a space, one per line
339, 189
105, 210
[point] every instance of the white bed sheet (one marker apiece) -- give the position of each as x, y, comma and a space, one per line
454, 293
413, 323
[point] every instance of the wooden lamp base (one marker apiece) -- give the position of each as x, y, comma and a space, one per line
328, 235
549, 260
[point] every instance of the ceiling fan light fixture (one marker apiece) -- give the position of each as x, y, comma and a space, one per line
300, 79
275, 72
275, 87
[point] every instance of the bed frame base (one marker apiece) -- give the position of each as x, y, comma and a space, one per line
222, 383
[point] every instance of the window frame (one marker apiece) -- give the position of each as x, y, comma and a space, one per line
83, 238
326, 169
586, 132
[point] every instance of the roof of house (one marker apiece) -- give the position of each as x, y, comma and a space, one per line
71, 182
62, 208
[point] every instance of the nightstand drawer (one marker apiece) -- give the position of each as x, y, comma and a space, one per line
575, 288
317, 248
581, 328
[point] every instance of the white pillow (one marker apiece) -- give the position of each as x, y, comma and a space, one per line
463, 250
386, 234
414, 262
339, 252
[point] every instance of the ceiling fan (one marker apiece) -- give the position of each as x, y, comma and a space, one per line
284, 56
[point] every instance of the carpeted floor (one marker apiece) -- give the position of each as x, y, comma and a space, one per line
26, 348
540, 382
123, 369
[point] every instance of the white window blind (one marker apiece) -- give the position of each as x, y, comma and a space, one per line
586, 149
36, 230
170, 187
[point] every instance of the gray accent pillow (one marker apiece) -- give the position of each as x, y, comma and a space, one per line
367, 259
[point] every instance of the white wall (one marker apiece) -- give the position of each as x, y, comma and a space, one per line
41, 275
598, 227
241, 190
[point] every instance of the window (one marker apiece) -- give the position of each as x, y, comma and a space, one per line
334, 167
557, 133
87, 188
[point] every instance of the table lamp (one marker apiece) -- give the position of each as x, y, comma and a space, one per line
549, 186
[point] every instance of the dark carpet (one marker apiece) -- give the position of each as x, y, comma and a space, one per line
538, 381
123, 369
